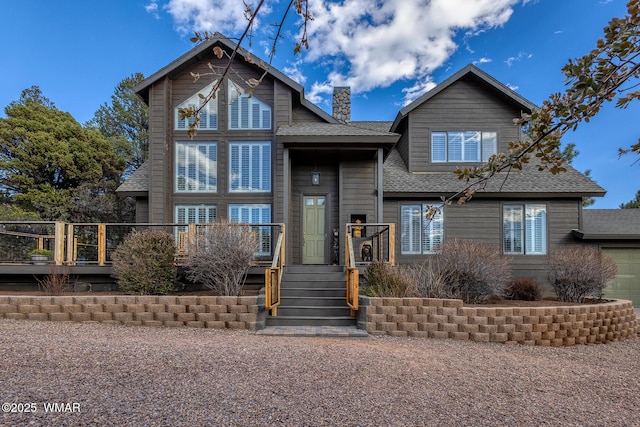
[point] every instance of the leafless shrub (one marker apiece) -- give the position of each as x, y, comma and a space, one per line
56, 282
384, 280
220, 255
430, 281
472, 271
524, 289
579, 271
144, 263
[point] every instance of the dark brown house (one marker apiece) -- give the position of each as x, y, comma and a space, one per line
269, 155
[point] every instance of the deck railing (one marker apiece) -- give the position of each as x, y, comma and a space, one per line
92, 244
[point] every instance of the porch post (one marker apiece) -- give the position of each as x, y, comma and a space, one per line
285, 197
380, 186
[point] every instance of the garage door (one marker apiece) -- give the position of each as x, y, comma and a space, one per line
626, 285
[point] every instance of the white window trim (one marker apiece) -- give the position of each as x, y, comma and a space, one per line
486, 146
190, 153
528, 235
263, 169
209, 116
245, 118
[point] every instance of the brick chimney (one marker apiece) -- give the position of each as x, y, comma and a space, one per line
342, 104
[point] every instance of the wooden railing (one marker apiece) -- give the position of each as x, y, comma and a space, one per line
91, 244
273, 275
366, 243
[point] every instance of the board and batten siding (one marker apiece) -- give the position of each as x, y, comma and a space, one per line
158, 151
466, 105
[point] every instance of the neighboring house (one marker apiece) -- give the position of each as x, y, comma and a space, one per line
253, 160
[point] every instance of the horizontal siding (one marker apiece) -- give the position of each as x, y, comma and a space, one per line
482, 220
465, 105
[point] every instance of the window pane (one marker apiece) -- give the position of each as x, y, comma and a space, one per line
208, 115
438, 147
254, 214
489, 145
512, 229
247, 112
410, 220
454, 141
536, 229
250, 166
196, 167
432, 231
471, 146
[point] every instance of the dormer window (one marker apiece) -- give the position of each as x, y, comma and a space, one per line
208, 115
463, 146
247, 112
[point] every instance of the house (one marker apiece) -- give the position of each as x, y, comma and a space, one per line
266, 154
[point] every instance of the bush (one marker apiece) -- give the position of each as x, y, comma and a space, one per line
143, 263
524, 289
430, 281
384, 280
578, 271
220, 256
472, 271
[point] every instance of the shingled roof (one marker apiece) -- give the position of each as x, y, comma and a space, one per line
614, 224
138, 182
370, 133
399, 181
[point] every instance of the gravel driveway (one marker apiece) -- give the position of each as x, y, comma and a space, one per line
116, 375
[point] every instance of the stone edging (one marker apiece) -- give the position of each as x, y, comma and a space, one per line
544, 326
218, 312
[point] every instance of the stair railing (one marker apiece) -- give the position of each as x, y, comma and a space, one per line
273, 275
352, 272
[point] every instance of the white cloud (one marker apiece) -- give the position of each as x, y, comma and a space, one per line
364, 44
519, 57
385, 41
418, 89
224, 16
482, 60
152, 8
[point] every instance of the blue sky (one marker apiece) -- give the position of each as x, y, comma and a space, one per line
388, 51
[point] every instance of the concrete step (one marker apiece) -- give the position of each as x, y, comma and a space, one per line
312, 283
314, 269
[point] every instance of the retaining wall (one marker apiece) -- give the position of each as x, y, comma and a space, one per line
218, 312
544, 326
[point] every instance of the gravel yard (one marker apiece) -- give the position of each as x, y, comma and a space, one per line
140, 376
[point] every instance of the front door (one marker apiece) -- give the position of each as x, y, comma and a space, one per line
313, 230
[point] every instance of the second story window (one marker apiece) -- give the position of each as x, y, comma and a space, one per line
247, 112
249, 166
196, 167
208, 115
463, 146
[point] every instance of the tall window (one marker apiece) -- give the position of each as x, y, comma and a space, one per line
196, 167
524, 229
463, 146
245, 111
254, 214
195, 214
249, 166
208, 115
419, 234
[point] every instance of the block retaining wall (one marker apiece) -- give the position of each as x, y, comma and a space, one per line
543, 326
218, 312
